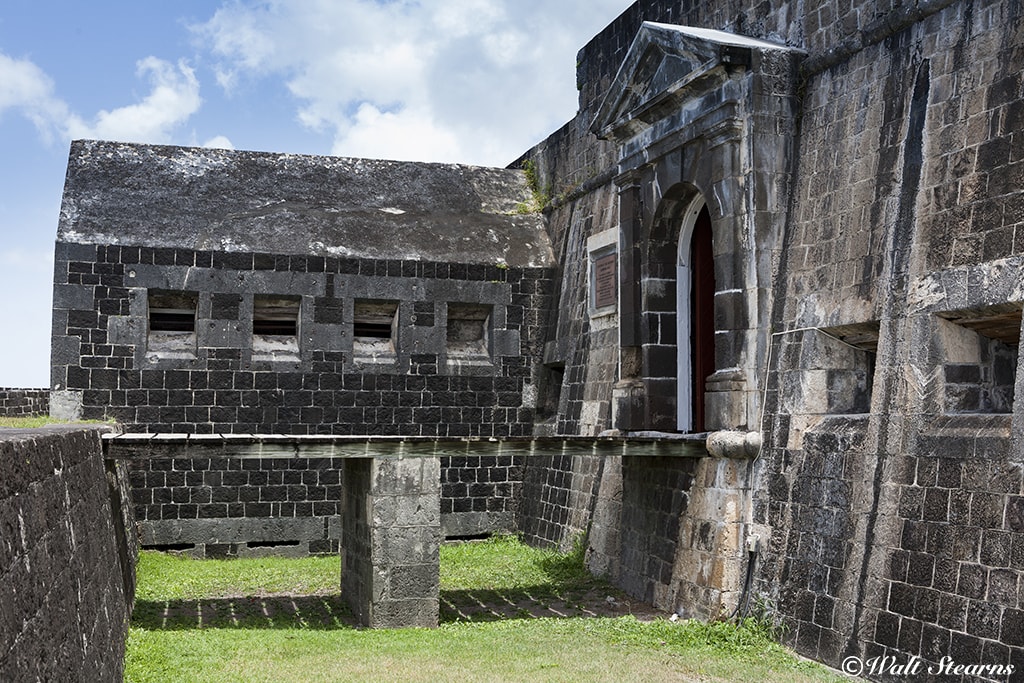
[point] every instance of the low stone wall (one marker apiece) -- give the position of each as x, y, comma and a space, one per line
227, 507
480, 494
224, 507
67, 568
19, 402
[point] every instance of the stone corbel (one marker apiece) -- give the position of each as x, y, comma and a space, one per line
730, 444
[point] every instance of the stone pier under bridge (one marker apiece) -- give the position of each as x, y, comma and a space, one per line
391, 521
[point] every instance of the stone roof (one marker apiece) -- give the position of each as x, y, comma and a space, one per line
225, 200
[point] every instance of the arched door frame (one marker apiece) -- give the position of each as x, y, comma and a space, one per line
684, 327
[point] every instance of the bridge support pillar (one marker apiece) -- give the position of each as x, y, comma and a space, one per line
391, 535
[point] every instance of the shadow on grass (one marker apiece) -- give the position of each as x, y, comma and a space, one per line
523, 603
317, 612
329, 612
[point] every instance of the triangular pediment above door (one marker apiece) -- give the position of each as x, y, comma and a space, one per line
665, 66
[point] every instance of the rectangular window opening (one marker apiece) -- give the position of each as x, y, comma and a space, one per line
275, 327
847, 360
981, 349
172, 324
374, 330
468, 332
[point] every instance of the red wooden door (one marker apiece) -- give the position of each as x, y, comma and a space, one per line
702, 313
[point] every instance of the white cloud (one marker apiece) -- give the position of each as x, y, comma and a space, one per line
24, 87
219, 142
477, 81
396, 135
173, 99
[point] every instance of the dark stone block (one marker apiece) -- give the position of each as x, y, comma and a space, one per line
995, 548
225, 306
965, 648
962, 374
972, 582
257, 509
901, 599
936, 505
914, 536
1012, 628
920, 569
263, 262
887, 628
926, 606
910, 635
213, 510
1015, 514
983, 620
163, 257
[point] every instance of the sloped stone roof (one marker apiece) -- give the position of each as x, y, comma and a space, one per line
224, 200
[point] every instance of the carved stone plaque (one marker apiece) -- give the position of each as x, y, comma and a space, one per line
605, 280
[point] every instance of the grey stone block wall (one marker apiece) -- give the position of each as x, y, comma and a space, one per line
23, 402
893, 532
886, 511
66, 564
480, 494
421, 389
104, 368
215, 507
558, 498
655, 496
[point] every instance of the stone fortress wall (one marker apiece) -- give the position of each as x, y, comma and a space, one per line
374, 346
67, 565
856, 167
24, 402
885, 500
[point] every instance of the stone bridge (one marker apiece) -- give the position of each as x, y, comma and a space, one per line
391, 519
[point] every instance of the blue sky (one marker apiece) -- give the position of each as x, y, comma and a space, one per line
467, 81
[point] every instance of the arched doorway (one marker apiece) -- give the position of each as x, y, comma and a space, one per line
695, 315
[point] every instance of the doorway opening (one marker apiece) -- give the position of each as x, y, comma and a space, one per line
695, 315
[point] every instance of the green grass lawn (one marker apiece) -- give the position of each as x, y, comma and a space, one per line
37, 421
281, 620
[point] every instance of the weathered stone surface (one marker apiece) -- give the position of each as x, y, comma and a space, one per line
105, 364
17, 402
859, 167
122, 194
391, 541
859, 248
67, 565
